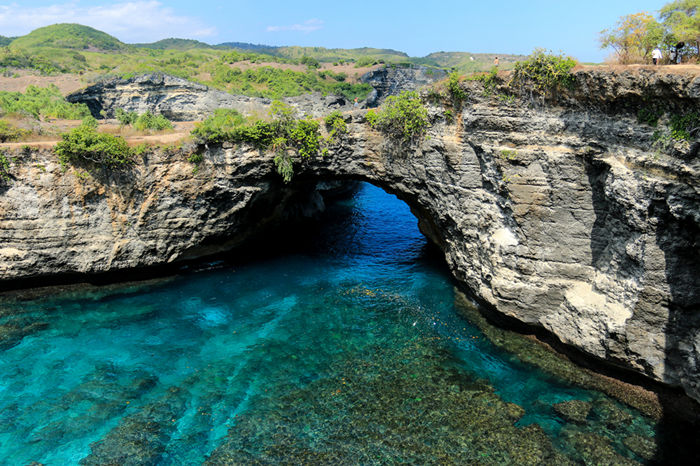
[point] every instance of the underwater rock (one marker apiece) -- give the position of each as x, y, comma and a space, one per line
644, 447
595, 449
612, 414
573, 410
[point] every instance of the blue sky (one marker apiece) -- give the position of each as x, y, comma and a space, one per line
417, 28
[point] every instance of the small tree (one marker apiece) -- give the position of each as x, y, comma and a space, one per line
682, 18
633, 37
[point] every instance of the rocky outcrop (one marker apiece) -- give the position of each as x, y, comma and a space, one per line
392, 80
181, 100
561, 216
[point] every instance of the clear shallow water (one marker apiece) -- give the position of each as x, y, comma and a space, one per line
346, 348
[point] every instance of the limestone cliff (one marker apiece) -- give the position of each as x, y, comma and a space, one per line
560, 215
181, 100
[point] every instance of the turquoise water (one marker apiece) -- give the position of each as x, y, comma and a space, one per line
343, 347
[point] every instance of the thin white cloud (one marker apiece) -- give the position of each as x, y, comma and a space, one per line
306, 27
136, 21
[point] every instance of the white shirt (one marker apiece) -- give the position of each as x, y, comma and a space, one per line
656, 54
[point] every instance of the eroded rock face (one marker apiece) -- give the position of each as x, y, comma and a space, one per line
562, 217
181, 100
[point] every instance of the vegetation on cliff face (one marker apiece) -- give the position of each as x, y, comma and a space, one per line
283, 133
543, 72
4, 168
85, 144
402, 118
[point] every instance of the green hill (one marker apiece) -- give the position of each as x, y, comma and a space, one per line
468, 62
175, 44
330, 55
69, 36
5, 41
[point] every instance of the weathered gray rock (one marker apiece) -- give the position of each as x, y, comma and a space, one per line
392, 80
181, 100
562, 217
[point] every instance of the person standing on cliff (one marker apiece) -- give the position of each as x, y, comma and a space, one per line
656, 55
495, 61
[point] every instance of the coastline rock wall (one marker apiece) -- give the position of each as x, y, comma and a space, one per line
562, 217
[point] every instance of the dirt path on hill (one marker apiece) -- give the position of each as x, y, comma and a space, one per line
180, 132
66, 83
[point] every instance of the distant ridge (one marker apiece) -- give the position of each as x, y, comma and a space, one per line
174, 44
58, 47
69, 36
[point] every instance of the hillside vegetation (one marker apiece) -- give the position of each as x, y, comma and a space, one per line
69, 36
77, 48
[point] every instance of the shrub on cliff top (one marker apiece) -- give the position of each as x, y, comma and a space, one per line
335, 125
403, 118
543, 72
220, 126
85, 144
284, 134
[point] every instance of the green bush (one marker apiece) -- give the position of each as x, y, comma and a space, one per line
126, 118
85, 144
457, 93
220, 126
11, 133
4, 168
543, 72
402, 117
149, 121
310, 62
41, 102
488, 80
684, 126
648, 116
335, 125
284, 134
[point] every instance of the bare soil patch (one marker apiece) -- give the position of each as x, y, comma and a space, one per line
66, 83
666, 69
180, 132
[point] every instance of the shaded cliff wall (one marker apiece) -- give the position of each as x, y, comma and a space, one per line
560, 216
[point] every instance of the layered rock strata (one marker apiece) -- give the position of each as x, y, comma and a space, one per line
561, 216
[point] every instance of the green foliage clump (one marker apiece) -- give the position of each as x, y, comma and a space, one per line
276, 83
149, 121
220, 126
489, 80
84, 144
126, 118
403, 118
543, 72
648, 116
335, 125
310, 62
41, 102
284, 134
457, 92
683, 127
11, 133
4, 168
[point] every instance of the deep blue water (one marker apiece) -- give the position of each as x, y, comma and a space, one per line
167, 373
